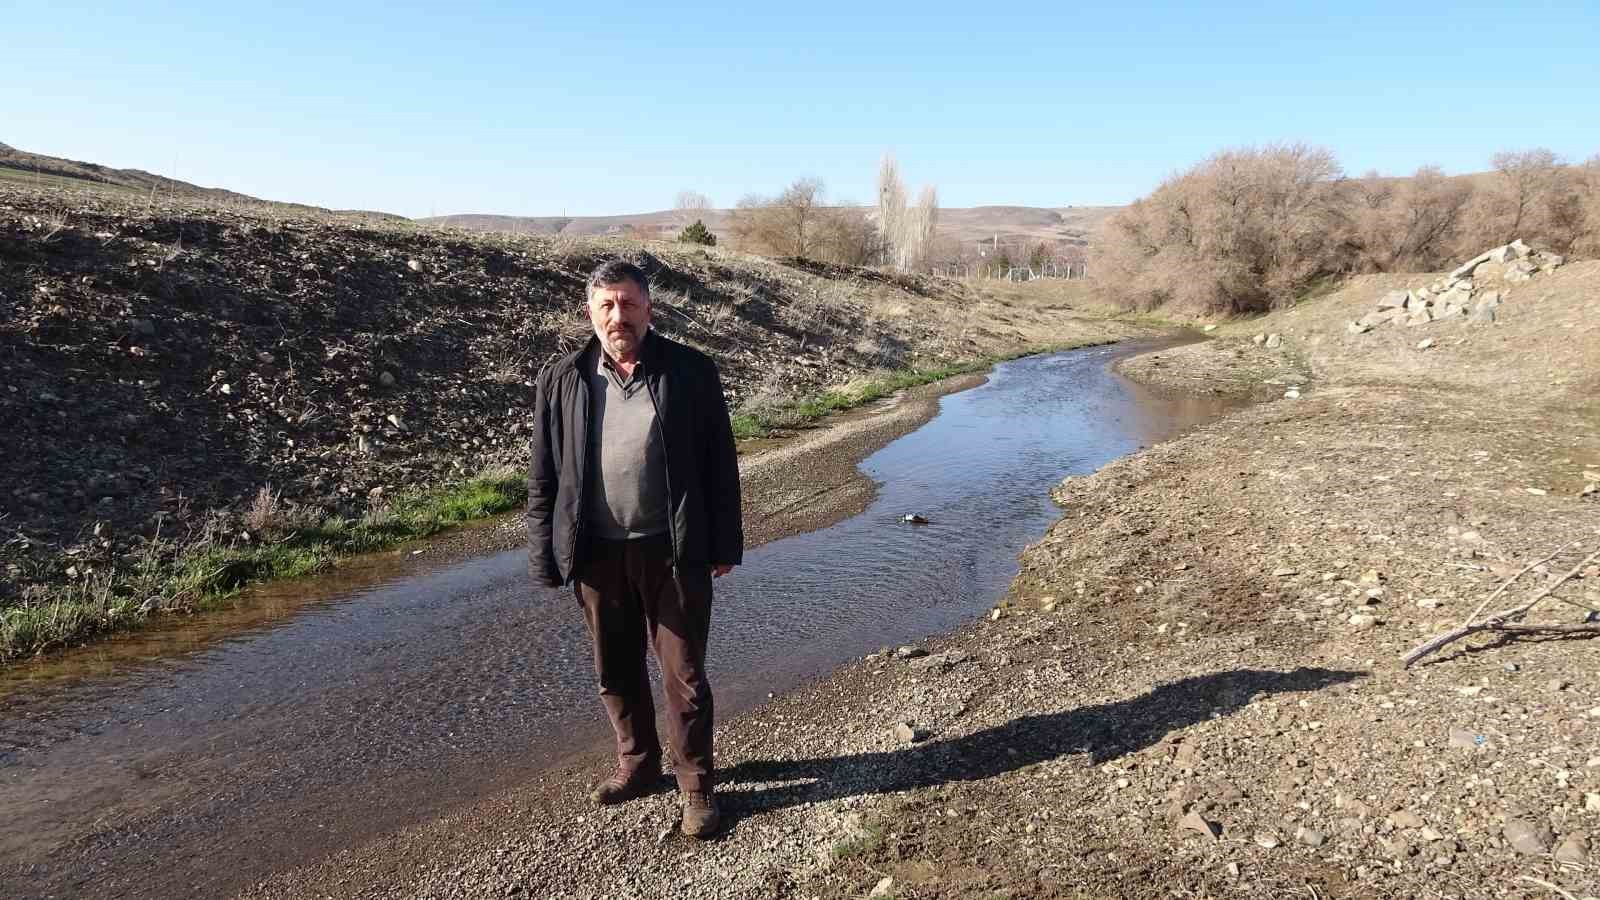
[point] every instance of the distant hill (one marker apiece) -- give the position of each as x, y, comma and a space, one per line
1010, 225
53, 171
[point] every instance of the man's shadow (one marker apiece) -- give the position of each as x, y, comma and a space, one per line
1104, 731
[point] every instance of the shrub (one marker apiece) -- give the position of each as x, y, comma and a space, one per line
697, 233
1240, 232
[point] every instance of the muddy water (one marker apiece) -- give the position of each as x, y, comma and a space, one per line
226, 756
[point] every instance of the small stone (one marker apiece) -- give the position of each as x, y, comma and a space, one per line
907, 733
994, 615
1426, 344
1591, 802
1200, 825
1285, 572
909, 652
386, 379
1233, 869
1292, 394
1430, 835
883, 888
1274, 341
1527, 837
1371, 576
226, 389
1537, 492
395, 420
1406, 819
1259, 339
414, 265
1266, 839
1393, 300
1310, 836
1574, 851
1362, 621
1556, 684
1461, 739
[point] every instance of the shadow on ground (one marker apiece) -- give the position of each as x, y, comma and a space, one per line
1104, 731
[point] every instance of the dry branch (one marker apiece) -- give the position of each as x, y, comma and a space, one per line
1502, 621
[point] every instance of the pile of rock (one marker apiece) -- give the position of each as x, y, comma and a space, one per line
1457, 295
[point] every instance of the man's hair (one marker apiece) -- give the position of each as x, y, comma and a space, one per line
615, 272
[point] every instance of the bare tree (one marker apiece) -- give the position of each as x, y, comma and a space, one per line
906, 231
691, 205
1527, 178
1240, 232
785, 225
1411, 225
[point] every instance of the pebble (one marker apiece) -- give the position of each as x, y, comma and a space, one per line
386, 379
909, 652
1574, 851
1266, 839
1426, 344
1310, 836
1461, 739
395, 420
1362, 621
1430, 835
883, 888
1200, 825
907, 733
1591, 803
414, 265
1527, 837
1406, 819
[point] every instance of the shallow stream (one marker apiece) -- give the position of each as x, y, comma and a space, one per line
232, 751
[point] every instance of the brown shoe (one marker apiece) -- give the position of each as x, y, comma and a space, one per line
623, 786
700, 816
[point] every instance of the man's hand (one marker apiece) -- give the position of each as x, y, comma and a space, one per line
719, 571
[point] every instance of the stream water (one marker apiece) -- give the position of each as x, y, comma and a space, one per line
237, 750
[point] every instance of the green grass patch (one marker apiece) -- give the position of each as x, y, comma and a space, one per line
766, 419
189, 580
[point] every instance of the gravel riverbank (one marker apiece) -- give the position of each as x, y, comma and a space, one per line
1193, 688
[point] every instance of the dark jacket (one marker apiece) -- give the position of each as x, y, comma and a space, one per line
702, 468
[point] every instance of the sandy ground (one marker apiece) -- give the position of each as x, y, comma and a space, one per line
1193, 689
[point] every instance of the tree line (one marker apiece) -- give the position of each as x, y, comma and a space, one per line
1253, 228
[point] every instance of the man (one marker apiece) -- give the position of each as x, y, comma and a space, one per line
633, 498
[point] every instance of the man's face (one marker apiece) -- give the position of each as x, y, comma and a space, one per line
621, 316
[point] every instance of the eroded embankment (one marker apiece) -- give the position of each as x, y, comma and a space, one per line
1194, 688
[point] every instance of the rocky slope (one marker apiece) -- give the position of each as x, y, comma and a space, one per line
165, 362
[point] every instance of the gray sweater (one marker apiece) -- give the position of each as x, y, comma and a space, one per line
627, 496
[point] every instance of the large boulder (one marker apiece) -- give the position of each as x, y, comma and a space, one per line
1521, 270
1374, 319
1393, 300
1484, 313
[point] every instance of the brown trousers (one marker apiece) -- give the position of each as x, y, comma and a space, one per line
630, 598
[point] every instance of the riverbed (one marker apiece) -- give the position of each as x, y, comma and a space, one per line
207, 766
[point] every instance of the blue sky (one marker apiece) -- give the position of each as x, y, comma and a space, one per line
537, 109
